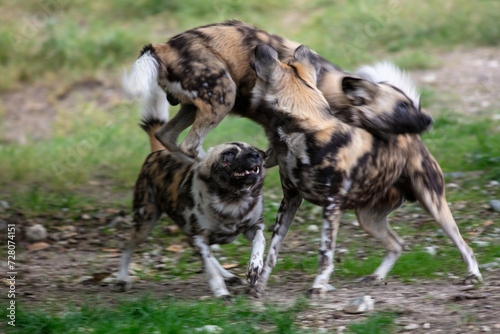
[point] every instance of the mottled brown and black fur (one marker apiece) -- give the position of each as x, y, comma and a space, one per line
212, 201
208, 70
340, 167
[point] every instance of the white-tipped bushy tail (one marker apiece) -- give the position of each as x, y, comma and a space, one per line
142, 83
389, 73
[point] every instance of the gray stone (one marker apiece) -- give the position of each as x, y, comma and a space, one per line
411, 327
36, 232
3, 225
360, 305
210, 329
4, 205
313, 228
495, 205
454, 175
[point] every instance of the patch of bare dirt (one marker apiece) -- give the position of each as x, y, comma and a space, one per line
468, 79
30, 113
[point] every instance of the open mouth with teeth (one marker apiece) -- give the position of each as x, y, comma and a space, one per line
253, 171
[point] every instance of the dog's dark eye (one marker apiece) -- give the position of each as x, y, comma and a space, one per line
401, 108
228, 154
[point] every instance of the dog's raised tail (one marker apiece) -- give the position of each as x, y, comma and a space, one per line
142, 82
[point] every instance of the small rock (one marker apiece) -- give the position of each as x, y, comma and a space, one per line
452, 186
426, 325
485, 329
411, 327
3, 225
313, 228
210, 329
432, 250
215, 248
454, 175
86, 216
341, 329
172, 230
355, 223
330, 287
496, 326
495, 205
360, 305
489, 265
4, 205
493, 183
480, 243
36, 232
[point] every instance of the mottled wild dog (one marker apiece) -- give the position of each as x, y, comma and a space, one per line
208, 71
212, 201
340, 167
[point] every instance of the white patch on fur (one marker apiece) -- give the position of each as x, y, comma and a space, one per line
142, 82
176, 87
389, 73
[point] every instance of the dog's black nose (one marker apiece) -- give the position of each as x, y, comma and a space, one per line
253, 155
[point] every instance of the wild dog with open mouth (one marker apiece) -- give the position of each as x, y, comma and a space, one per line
212, 201
340, 167
208, 71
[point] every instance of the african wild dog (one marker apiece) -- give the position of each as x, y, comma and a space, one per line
340, 167
208, 71
212, 201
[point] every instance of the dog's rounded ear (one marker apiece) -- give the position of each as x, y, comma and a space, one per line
359, 91
309, 60
266, 62
263, 154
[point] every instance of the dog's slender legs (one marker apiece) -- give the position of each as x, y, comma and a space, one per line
168, 133
374, 221
331, 221
429, 188
229, 278
257, 258
209, 115
289, 205
214, 277
444, 218
145, 221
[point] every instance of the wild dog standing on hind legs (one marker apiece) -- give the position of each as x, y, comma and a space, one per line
208, 71
212, 201
340, 167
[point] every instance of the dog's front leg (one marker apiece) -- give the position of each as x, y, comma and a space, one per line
331, 220
214, 277
256, 262
289, 205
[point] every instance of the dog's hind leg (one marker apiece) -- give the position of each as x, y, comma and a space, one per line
428, 183
169, 132
211, 111
214, 277
146, 214
331, 220
289, 205
374, 221
229, 278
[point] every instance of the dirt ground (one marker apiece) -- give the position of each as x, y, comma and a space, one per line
54, 272
68, 270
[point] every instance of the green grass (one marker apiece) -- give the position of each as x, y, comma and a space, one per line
150, 315
377, 323
85, 38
